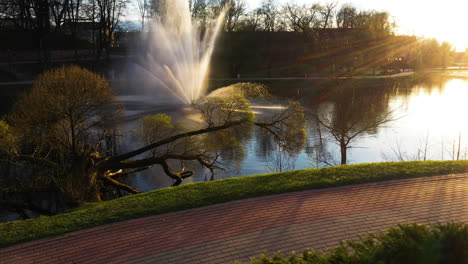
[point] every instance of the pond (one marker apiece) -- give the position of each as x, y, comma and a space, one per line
427, 122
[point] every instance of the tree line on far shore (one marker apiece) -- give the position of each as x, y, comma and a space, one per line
341, 35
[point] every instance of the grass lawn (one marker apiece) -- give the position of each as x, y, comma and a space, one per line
206, 193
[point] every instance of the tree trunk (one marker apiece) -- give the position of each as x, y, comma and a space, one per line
344, 150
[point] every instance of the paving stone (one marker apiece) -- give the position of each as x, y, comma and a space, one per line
242, 229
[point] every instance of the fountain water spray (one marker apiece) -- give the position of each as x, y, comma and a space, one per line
177, 56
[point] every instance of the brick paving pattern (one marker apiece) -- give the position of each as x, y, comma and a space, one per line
238, 230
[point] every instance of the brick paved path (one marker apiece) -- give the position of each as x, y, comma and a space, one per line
241, 229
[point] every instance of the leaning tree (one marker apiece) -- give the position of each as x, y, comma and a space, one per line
62, 133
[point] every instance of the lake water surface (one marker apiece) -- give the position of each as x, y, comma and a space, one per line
428, 123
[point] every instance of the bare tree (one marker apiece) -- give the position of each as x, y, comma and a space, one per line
269, 11
269, 18
353, 113
346, 16
301, 18
73, 14
200, 12
32, 16
109, 13
251, 20
59, 10
143, 10
234, 10
327, 13
28, 14
344, 132
12, 11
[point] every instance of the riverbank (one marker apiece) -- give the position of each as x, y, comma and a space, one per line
208, 193
402, 74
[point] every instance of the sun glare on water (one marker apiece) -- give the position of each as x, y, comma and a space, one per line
440, 113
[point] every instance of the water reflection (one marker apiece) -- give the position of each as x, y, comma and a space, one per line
428, 113
350, 112
428, 123
433, 124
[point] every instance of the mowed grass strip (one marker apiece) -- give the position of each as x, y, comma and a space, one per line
200, 194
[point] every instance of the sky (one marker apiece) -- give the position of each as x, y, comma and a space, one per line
446, 20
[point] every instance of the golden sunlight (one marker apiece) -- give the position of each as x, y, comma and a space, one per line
441, 20
439, 111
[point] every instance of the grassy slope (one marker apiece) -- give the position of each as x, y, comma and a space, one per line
207, 193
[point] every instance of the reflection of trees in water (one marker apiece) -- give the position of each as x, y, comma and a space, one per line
228, 161
350, 112
351, 106
318, 147
279, 148
276, 158
430, 83
264, 144
427, 148
427, 84
279, 160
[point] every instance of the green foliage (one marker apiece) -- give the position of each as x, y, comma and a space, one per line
295, 128
64, 106
158, 121
251, 91
154, 127
287, 126
405, 244
59, 127
206, 193
8, 140
217, 110
222, 110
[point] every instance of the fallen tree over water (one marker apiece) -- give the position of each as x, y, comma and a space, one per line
63, 134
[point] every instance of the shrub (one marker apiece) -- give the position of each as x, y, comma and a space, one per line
405, 244
56, 131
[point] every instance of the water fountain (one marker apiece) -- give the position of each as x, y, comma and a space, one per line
167, 74
177, 54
